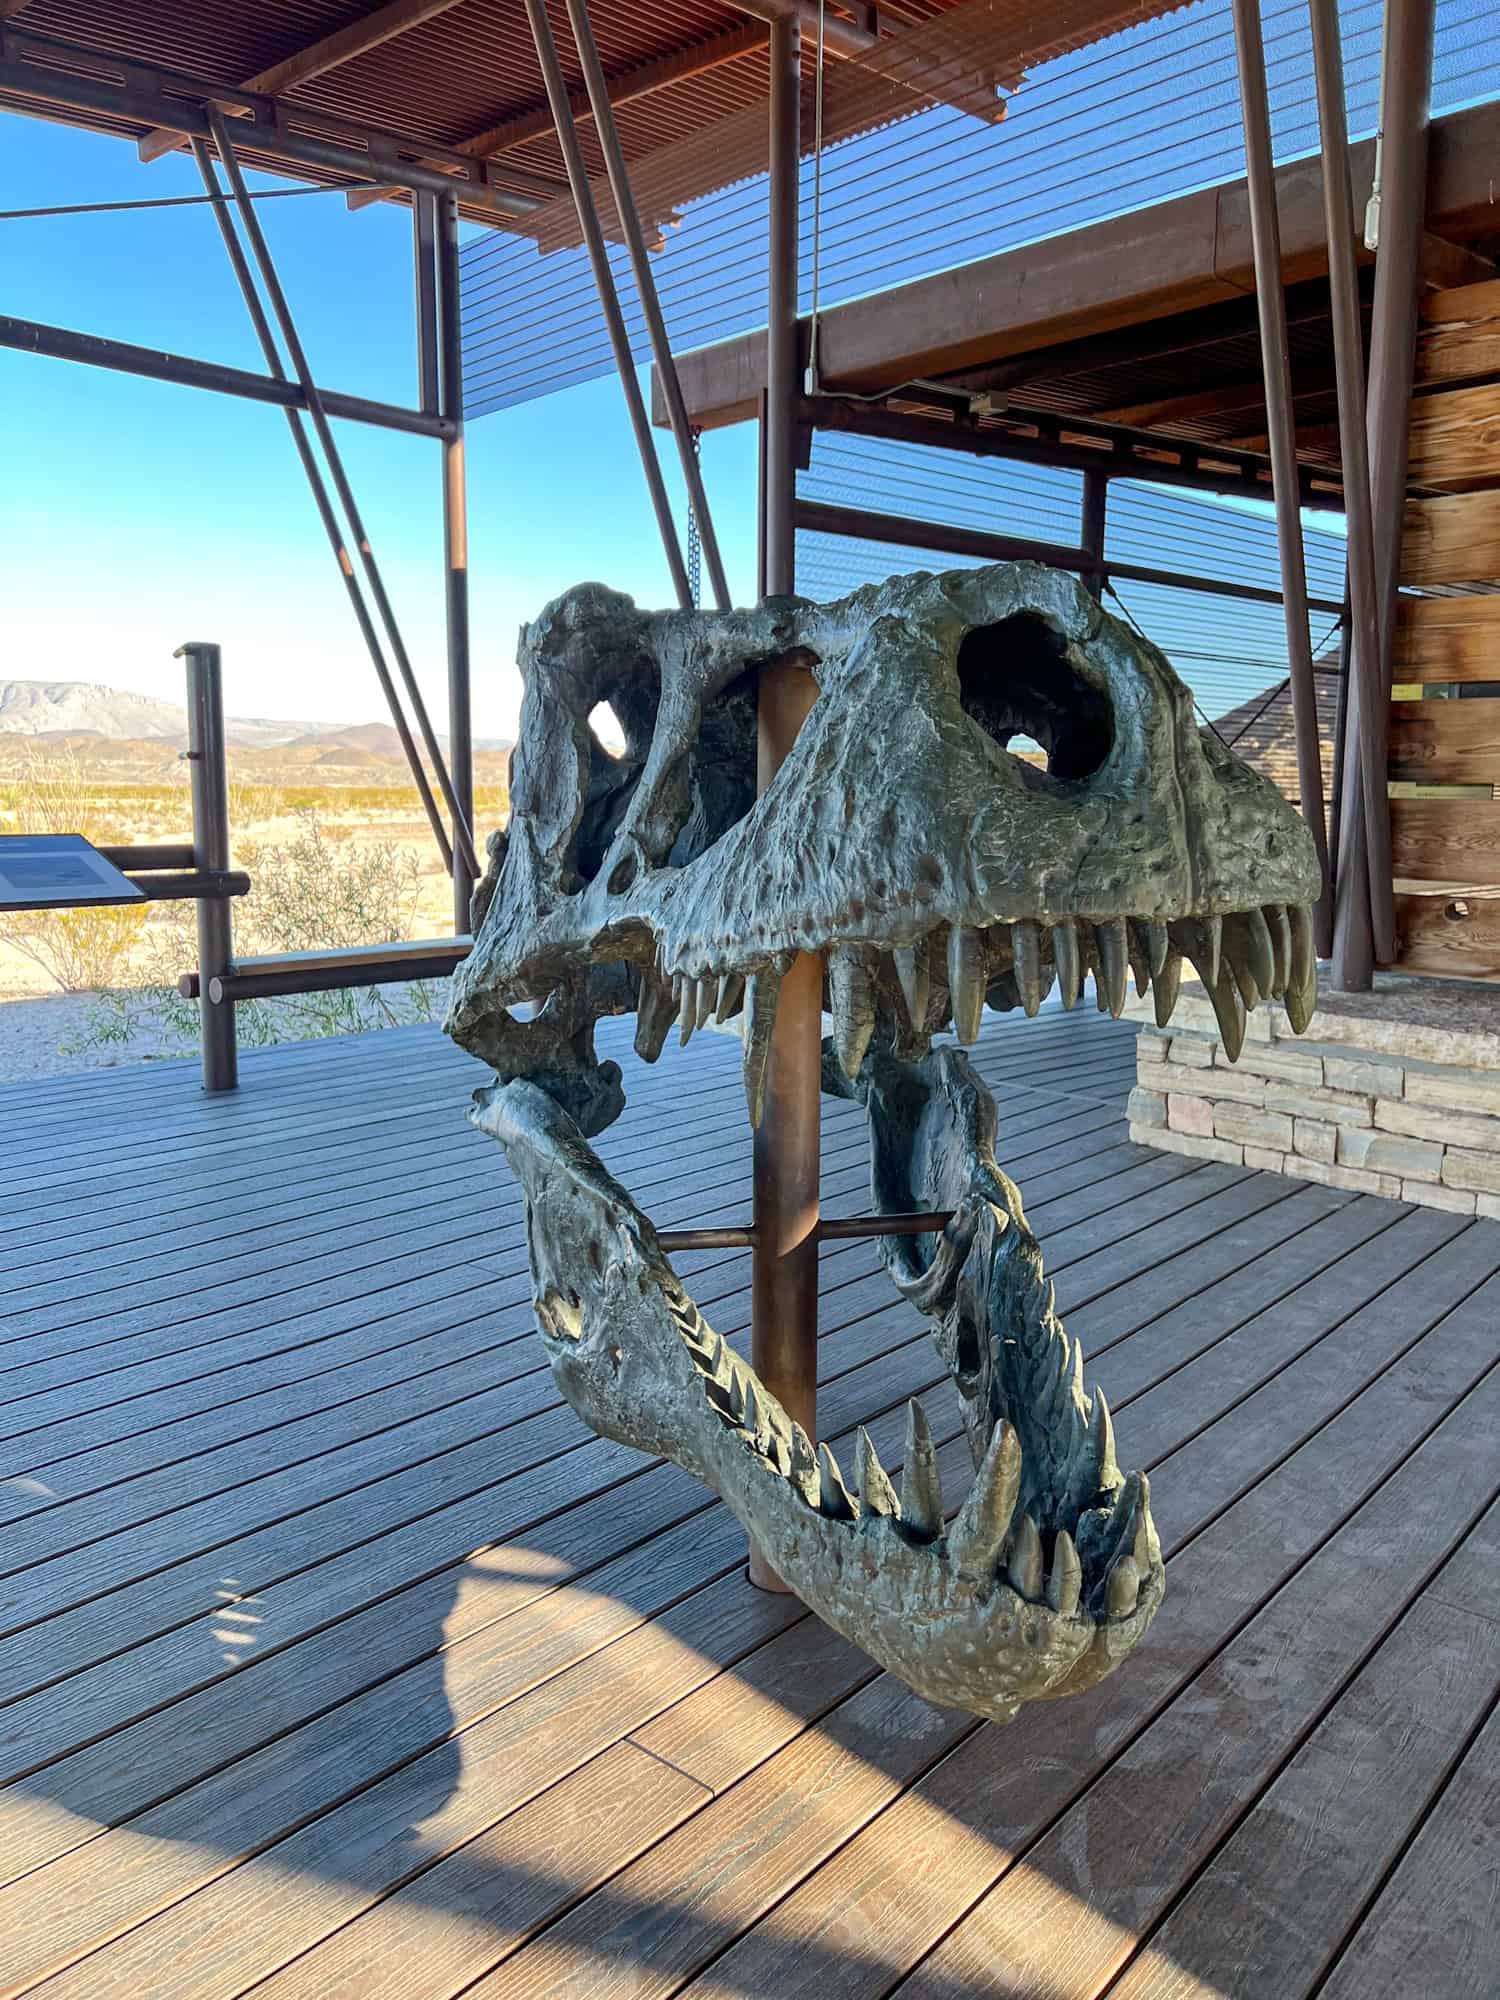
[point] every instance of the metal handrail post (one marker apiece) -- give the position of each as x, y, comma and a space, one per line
1265, 236
608, 132
321, 500
1093, 514
604, 285
260, 249
455, 546
208, 765
424, 285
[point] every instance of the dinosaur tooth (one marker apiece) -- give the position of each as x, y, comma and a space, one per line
1279, 927
1145, 1547
686, 990
1302, 966
1065, 958
1065, 1584
851, 992
753, 1414
761, 991
1123, 1589
1167, 985
1113, 963
921, 1481
708, 999
655, 1013
1106, 1468
911, 970
876, 1493
983, 1524
1158, 944
1301, 1003
1024, 1567
1135, 951
719, 1365
731, 995
966, 980
1026, 957
802, 1470
833, 1496
1237, 967
1229, 1012
1260, 951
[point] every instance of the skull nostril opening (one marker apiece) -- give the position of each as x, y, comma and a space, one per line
1018, 678
622, 875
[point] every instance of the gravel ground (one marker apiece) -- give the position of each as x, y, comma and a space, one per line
33, 1033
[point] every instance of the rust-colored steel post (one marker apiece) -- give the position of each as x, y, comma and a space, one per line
1364, 930
784, 1261
1270, 301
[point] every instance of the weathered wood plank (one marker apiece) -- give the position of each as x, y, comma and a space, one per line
1447, 639
1458, 333
1446, 840
1455, 438
1455, 936
1445, 742
1452, 538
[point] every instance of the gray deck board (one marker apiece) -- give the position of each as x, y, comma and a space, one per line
338, 1658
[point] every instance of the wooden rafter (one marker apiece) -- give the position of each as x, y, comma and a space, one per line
396, 17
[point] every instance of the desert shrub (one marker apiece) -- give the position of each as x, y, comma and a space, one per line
312, 892
80, 950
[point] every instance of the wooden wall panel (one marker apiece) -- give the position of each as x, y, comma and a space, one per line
1447, 639
1446, 742
1445, 840
1452, 539
1429, 939
1459, 333
1455, 438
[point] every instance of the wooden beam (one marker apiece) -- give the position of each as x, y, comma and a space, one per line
626, 87
1215, 400
1445, 639
1452, 539
396, 17
1174, 257
1445, 265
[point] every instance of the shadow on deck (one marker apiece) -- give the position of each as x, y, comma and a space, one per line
339, 1659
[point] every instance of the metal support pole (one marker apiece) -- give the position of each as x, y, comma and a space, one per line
784, 1259
455, 548
210, 795
604, 284
1366, 917
1265, 232
1091, 528
424, 260
597, 86
321, 500
463, 840
1364, 663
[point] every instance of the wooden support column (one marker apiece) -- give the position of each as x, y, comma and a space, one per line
784, 1262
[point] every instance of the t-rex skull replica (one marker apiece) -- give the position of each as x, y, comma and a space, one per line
936, 870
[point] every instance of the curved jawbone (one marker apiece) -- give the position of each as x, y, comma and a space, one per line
1050, 1571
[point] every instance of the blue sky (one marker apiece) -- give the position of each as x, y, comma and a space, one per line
136, 514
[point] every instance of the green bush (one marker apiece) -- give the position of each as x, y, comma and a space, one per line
313, 892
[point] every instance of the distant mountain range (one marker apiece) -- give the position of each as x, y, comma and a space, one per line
111, 715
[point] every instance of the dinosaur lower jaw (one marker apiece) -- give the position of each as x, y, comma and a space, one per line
1050, 1570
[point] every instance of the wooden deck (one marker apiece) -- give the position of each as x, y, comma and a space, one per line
339, 1659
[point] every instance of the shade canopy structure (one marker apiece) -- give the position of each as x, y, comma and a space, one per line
453, 89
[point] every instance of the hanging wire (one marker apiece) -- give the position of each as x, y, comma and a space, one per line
172, 201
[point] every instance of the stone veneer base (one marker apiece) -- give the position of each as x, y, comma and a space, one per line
1395, 1092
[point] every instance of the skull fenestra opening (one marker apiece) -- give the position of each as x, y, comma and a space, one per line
937, 870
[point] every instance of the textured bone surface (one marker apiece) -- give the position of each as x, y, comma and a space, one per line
937, 870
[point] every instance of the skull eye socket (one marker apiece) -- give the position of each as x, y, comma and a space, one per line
1017, 678
619, 730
